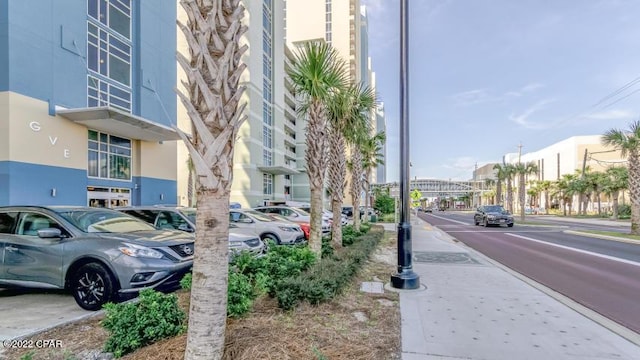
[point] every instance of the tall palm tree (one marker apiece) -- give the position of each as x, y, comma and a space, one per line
617, 180
356, 166
545, 185
629, 144
348, 115
489, 184
522, 170
597, 181
372, 156
509, 172
317, 72
501, 176
213, 68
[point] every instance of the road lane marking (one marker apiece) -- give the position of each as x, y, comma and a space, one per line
455, 221
577, 250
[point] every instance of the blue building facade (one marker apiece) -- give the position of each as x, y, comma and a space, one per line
87, 102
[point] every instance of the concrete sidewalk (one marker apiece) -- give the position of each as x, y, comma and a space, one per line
473, 308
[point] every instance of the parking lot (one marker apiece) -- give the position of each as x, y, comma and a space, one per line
25, 312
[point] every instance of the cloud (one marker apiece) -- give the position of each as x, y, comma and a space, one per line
523, 119
611, 115
479, 96
460, 163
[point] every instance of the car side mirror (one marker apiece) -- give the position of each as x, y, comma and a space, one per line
49, 233
185, 227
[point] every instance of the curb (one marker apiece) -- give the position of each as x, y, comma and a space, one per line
603, 237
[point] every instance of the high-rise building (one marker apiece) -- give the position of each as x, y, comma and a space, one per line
87, 102
265, 152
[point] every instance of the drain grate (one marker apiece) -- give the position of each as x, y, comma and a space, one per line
441, 257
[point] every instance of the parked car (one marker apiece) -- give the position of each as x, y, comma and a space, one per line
429, 210
328, 215
184, 219
347, 211
492, 215
266, 227
98, 254
294, 214
306, 229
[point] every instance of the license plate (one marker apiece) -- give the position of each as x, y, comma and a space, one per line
502, 220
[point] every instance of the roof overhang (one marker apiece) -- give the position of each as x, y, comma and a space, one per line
278, 170
120, 123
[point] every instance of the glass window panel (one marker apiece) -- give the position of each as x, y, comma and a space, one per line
119, 21
120, 5
103, 63
119, 103
92, 168
93, 145
92, 102
120, 167
120, 45
103, 165
119, 70
116, 140
93, 30
120, 93
92, 8
92, 57
93, 135
104, 138
103, 11
103, 35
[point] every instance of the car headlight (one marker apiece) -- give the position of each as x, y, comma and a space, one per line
140, 251
286, 228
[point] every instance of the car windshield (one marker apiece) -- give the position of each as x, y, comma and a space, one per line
104, 221
259, 216
495, 209
302, 212
190, 214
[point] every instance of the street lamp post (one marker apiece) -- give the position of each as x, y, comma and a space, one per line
405, 278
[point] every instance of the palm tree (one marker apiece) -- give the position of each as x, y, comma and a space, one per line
489, 184
213, 69
348, 115
617, 179
509, 172
523, 169
545, 185
372, 156
356, 166
597, 181
317, 73
629, 144
501, 176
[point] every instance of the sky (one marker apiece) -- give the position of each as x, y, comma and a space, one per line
488, 75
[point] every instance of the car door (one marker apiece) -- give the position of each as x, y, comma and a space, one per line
31, 259
8, 221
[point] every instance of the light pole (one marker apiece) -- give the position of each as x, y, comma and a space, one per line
405, 278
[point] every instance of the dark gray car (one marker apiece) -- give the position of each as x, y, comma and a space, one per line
98, 254
492, 215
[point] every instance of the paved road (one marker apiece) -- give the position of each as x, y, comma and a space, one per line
600, 274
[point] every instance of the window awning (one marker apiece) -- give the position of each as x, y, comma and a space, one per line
120, 123
278, 170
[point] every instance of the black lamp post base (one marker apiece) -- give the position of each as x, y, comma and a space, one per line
405, 280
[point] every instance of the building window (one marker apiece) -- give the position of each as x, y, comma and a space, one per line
328, 21
109, 156
109, 53
267, 184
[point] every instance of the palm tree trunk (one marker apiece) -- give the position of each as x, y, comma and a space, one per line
210, 257
499, 192
316, 158
356, 185
336, 179
521, 196
615, 205
546, 202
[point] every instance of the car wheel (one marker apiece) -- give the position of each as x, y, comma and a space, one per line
510, 225
476, 222
267, 237
485, 224
92, 286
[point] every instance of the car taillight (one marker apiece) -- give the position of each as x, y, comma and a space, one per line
306, 229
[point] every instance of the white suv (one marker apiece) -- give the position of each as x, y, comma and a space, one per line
294, 214
255, 222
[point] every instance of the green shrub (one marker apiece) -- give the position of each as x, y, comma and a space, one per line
385, 204
134, 325
327, 248
328, 276
185, 282
624, 211
240, 295
389, 218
